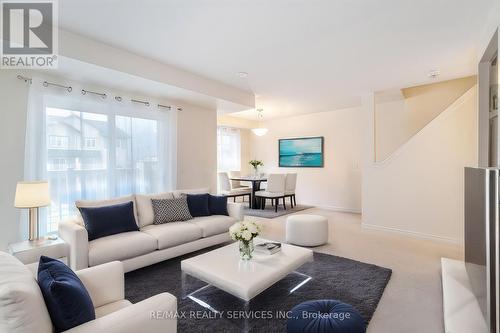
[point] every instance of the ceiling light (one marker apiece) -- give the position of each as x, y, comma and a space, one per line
243, 74
434, 74
259, 131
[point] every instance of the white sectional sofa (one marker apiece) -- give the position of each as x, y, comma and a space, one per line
23, 310
153, 243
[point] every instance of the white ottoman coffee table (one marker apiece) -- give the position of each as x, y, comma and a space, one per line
224, 269
307, 230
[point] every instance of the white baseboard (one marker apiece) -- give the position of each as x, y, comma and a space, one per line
334, 208
414, 234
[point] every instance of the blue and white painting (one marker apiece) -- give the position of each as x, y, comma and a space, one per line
301, 152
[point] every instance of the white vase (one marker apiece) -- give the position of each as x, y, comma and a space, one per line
255, 173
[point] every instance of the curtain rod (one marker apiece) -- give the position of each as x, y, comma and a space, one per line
164, 106
84, 92
46, 84
140, 102
24, 78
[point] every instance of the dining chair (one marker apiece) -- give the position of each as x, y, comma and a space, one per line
227, 190
236, 183
275, 191
290, 185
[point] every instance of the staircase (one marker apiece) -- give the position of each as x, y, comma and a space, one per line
418, 189
411, 110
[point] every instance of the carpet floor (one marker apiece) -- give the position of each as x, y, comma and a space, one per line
349, 281
269, 212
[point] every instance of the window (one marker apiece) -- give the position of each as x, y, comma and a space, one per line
228, 149
58, 141
93, 149
98, 172
57, 164
122, 143
137, 161
90, 143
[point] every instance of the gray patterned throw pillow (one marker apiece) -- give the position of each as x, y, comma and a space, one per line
170, 210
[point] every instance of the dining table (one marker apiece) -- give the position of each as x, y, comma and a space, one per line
255, 181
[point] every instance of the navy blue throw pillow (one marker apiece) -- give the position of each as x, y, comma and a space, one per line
218, 205
198, 204
68, 302
109, 220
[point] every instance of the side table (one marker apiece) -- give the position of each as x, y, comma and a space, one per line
29, 252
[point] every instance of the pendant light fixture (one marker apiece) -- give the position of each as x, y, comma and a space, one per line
260, 131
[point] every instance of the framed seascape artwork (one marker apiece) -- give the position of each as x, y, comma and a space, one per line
301, 152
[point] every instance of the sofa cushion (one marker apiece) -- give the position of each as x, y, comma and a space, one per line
170, 210
214, 224
105, 202
67, 300
109, 220
217, 204
179, 193
144, 206
173, 233
120, 247
198, 204
22, 308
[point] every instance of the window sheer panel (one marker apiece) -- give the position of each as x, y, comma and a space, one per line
74, 171
137, 156
228, 149
90, 148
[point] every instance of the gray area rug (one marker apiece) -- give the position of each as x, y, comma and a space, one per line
349, 281
269, 212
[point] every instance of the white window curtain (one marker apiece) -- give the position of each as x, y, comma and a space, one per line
89, 147
228, 149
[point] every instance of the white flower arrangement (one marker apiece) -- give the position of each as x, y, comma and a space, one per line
244, 231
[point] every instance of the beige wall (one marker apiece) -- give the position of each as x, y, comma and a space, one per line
196, 148
246, 150
13, 104
419, 189
338, 184
398, 121
230, 121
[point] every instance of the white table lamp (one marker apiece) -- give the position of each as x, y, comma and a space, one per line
32, 195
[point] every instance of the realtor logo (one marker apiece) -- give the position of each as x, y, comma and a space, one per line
29, 34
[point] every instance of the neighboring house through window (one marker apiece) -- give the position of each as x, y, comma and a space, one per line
228, 149
58, 141
96, 156
97, 172
57, 164
91, 143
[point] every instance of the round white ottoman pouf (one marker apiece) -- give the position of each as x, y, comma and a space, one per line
307, 230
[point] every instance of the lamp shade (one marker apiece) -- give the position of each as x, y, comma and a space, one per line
259, 131
32, 194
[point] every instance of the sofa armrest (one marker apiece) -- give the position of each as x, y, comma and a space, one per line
235, 210
76, 236
153, 315
105, 283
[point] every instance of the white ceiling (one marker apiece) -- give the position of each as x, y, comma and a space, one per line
301, 55
83, 72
